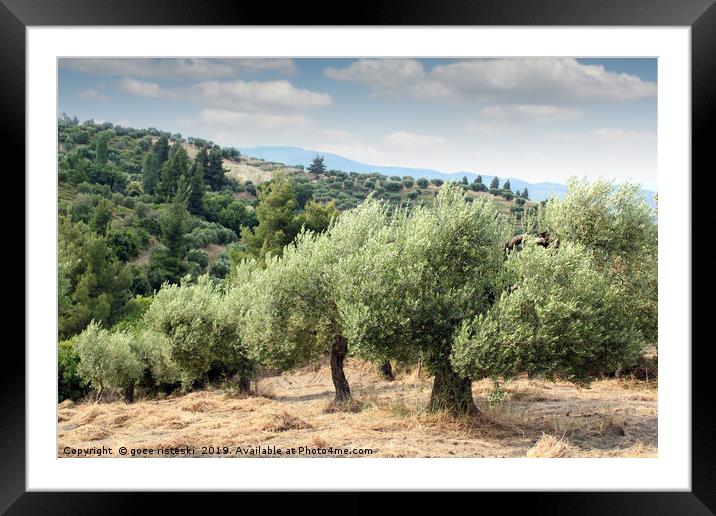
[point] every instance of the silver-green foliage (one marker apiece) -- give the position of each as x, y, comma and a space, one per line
290, 318
561, 318
189, 317
107, 359
154, 351
293, 315
419, 276
619, 228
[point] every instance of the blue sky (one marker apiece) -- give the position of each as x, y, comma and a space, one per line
538, 119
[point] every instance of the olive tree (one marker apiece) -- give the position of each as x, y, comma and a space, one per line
619, 228
436, 284
154, 351
106, 359
412, 285
561, 318
293, 317
190, 317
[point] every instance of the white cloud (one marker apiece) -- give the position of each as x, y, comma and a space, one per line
234, 95
406, 139
252, 120
178, 68
336, 134
531, 112
511, 80
256, 95
92, 94
552, 77
141, 88
379, 73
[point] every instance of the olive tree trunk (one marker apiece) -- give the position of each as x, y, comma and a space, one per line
244, 384
129, 392
386, 371
338, 355
451, 393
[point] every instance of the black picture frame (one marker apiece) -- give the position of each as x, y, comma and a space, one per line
700, 15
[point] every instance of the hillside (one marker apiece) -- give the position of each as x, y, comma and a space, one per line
349, 188
118, 210
298, 156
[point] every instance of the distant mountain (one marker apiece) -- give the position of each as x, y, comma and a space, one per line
299, 156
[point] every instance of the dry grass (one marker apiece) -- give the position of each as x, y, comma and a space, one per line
283, 422
549, 447
613, 418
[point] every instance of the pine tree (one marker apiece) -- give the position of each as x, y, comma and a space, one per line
495, 184
526, 194
478, 179
196, 184
175, 167
161, 149
464, 180
151, 170
506, 186
275, 214
214, 169
318, 166
150, 173
101, 217
203, 157
173, 221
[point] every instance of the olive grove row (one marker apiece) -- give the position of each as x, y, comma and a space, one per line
432, 283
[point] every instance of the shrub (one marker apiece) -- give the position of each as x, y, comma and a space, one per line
393, 186
126, 242
209, 233
220, 268
198, 256
70, 385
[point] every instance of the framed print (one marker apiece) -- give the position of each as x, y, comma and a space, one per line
421, 249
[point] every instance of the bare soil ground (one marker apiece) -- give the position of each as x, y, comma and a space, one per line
613, 418
246, 169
